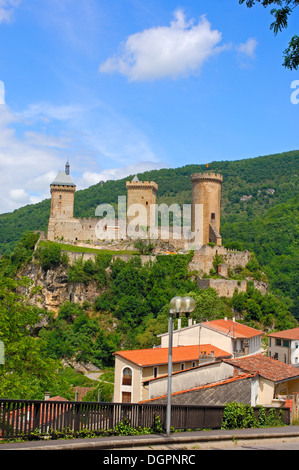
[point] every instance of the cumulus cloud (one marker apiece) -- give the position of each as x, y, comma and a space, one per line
177, 50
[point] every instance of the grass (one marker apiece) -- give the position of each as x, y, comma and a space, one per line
85, 249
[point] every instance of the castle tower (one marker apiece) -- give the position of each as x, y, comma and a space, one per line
143, 193
206, 190
62, 199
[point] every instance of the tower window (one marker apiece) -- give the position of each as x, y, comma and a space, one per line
213, 216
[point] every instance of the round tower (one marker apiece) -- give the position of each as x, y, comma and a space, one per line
206, 190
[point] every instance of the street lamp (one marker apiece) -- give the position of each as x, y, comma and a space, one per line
178, 305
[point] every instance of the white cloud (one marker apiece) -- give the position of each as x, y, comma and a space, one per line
7, 9
21, 165
248, 48
33, 148
90, 178
166, 51
18, 195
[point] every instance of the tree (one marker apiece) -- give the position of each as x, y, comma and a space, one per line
26, 373
281, 17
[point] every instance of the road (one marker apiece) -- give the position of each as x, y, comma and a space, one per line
260, 444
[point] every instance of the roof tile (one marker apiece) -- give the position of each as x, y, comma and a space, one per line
155, 356
232, 328
267, 367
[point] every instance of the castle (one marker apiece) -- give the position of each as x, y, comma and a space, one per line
141, 196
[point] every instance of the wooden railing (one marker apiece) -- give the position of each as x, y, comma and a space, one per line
22, 418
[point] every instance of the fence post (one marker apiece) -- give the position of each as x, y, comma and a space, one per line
77, 408
36, 416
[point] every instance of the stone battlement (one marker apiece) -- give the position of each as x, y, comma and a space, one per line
142, 184
207, 176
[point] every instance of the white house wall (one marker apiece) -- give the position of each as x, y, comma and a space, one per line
207, 374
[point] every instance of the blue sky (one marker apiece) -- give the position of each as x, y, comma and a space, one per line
123, 86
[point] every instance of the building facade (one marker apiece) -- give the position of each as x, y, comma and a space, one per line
284, 346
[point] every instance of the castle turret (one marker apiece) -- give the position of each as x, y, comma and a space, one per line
62, 199
143, 193
206, 190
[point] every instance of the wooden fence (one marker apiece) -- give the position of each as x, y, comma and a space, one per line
21, 418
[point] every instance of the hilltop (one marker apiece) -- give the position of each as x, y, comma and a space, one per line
250, 188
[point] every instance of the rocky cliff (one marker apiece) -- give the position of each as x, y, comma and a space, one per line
51, 288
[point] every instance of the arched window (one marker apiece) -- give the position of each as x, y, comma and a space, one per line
127, 376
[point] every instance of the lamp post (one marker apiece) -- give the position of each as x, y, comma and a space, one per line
178, 305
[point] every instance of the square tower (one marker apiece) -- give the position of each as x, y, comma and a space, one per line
144, 194
62, 199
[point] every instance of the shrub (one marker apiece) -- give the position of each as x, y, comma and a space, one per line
240, 416
49, 256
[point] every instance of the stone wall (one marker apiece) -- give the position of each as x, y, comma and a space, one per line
203, 258
72, 230
74, 256
224, 287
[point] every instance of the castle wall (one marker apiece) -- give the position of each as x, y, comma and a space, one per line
203, 258
72, 230
224, 287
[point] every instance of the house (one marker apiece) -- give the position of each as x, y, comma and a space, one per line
135, 368
229, 335
275, 378
253, 380
284, 346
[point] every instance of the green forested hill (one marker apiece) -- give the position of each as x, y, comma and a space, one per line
270, 180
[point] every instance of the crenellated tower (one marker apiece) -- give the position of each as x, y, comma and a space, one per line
206, 190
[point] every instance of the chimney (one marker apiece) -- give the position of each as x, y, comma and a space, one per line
47, 396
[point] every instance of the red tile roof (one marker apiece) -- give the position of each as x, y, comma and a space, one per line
286, 334
232, 328
155, 356
267, 367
